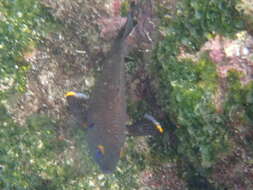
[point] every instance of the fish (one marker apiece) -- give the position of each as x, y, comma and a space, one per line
106, 116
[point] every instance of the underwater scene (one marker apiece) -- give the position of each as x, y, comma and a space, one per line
126, 95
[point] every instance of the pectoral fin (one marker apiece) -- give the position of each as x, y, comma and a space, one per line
145, 127
77, 105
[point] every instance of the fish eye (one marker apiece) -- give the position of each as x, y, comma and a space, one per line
91, 125
100, 151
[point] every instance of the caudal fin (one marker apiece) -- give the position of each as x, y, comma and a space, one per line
130, 23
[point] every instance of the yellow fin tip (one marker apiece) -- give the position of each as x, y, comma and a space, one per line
71, 93
159, 128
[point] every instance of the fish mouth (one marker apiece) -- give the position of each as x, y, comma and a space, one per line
107, 171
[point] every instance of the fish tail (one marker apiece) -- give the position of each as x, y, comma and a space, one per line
128, 27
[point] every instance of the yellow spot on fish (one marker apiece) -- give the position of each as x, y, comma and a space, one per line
71, 93
159, 128
101, 148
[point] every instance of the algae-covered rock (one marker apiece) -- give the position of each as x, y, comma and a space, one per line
198, 83
204, 67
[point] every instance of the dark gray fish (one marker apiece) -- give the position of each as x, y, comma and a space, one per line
106, 114
107, 106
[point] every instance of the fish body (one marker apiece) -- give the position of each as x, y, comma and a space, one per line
106, 114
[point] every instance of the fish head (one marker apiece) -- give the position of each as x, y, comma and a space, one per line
105, 150
106, 156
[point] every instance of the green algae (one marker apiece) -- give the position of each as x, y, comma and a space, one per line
196, 21
23, 23
189, 104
